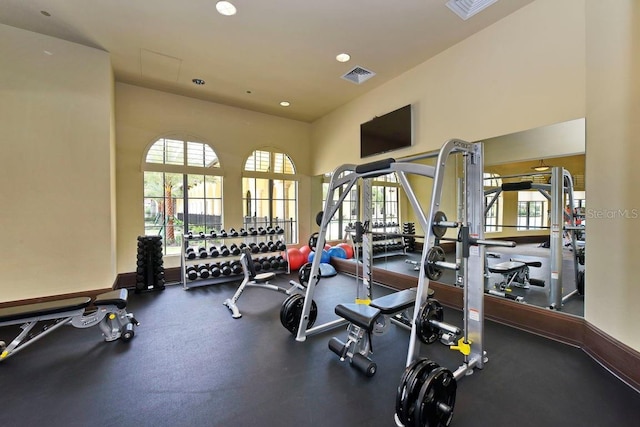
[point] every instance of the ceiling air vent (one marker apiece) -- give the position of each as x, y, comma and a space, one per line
465, 9
358, 75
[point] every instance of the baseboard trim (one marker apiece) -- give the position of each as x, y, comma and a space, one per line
615, 356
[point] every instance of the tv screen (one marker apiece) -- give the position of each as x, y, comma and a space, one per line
386, 133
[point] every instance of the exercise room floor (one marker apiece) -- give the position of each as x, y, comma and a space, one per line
191, 364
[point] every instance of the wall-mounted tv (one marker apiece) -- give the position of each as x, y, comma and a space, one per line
387, 133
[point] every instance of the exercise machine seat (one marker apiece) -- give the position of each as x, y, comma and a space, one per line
117, 298
506, 267
43, 308
360, 315
395, 302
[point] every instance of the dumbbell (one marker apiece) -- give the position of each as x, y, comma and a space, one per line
270, 230
190, 235
266, 265
202, 252
279, 230
235, 250
225, 269
283, 263
192, 273
275, 264
224, 251
256, 265
213, 252
233, 232
243, 232
190, 253
254, 248
262, 231
263, 247
203, 271
215, 270
253, 231
272, 246
236, 267
243, 246
213, 234
202, 234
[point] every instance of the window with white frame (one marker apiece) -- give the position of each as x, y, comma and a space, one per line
182, 190
346, 214
270, 193
532, 210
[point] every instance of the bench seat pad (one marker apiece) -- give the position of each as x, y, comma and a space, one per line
43, 308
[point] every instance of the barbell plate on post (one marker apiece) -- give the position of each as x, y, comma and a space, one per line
435, 254
438, 228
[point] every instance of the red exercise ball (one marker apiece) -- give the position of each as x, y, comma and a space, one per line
305, 251
347, 248
296, 259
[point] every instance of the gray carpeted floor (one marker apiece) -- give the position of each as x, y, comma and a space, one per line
191, 364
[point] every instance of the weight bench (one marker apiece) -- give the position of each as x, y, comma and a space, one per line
110, 315
515, 273
251, 278
367, 319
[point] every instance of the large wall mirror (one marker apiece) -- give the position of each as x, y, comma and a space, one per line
520, 212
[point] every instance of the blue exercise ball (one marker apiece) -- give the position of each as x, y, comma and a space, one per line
324, 257
337, 252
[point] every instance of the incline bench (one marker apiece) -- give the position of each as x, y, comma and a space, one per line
110, 315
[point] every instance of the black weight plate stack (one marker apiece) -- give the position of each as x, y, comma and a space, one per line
409, 389
291, 312
437, 397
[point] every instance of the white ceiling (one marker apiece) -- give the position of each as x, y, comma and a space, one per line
276, 49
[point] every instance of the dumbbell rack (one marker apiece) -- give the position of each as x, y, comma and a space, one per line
386, 241
206, 241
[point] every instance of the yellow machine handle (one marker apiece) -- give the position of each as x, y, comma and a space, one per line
462, 347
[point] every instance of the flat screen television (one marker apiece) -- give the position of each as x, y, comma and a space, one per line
389, 132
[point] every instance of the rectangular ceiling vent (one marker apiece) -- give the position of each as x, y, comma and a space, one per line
358, 75
465, 9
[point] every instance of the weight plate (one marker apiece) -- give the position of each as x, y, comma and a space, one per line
313, 241
291, 312
438, 230
319, 218
414, 384
304, 274
436, 400
431, 309
434, 254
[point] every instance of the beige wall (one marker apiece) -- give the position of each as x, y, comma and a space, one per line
143, 115
56, 167
523, 72
613, 176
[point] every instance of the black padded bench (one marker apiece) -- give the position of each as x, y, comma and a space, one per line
111, 316
364, 320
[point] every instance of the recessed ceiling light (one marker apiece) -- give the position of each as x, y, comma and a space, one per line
45, 13
225, 8
285, 103
343, 57
199, 82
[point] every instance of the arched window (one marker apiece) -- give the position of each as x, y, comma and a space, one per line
270, 193
182, 190
348, 211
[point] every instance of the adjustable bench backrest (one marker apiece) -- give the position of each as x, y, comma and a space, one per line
247, 261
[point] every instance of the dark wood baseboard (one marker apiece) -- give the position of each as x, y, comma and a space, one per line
619, 358
612, 354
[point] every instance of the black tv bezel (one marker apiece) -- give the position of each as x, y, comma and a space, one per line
379, 119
